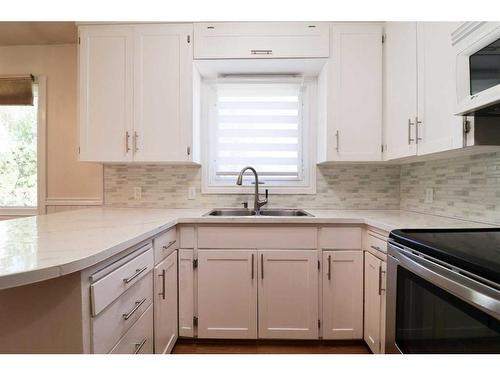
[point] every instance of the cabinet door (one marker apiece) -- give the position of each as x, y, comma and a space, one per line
355, 82
227, 294
165, 304
400, 88
163, 57
186, 293
288, 294
439, 129
342, 295
373, 272
105, 93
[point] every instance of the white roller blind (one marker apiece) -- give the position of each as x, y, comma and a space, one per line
258, 124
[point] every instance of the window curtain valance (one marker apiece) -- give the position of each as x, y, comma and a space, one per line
16, 90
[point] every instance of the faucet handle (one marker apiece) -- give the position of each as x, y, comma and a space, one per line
245, 204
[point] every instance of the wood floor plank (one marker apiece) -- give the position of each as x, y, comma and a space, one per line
188, 346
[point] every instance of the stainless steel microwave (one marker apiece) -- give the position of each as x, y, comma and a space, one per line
477, 49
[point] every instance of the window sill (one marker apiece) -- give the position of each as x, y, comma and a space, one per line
262, 188
18, 211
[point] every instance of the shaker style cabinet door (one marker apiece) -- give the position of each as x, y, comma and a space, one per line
165, 304
227, 294
186, 292
106, 93
400, 104
373, 302
342, 295
288, 294
355, 93
163, 57
438, 129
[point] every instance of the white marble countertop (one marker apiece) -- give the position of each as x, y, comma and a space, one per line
42, 247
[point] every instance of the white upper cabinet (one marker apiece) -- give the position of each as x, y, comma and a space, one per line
255, 40
419, 89
350, 95
136, 93
162, 92
438, 128
400, 88
106, 93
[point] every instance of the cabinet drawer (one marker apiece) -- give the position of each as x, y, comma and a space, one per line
377, 245
342, 238
139, 338
245, 237
111, 286
257, 40
165, 244
113, 322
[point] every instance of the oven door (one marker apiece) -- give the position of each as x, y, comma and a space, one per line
432, 308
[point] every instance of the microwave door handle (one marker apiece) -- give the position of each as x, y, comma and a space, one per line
483, 297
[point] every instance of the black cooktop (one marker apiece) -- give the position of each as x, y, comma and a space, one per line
474, 250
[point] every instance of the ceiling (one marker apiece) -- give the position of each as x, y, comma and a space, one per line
32, 33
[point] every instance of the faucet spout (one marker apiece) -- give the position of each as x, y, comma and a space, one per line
257, 202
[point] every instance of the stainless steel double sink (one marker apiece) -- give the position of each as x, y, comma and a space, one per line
266, 212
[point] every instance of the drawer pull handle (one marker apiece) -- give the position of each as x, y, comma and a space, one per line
377, 248
139, 346
137, 305
137, 273
261, 52
165, 247
162, 275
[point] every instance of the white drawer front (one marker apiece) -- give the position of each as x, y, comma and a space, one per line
139, 338
165, 244
341, 238
377, 245
268, 237
113, 322
111, 286
260, 40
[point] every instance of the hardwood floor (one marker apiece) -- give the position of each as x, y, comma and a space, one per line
187, 346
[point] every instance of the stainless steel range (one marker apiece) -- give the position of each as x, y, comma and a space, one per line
443, 291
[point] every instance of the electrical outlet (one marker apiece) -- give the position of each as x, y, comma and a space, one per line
429, 195
192, 192
137, 193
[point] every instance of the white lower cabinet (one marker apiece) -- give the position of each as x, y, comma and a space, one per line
165, 304
342, 295
288, 294
374, 302
139, 338
186, 292
227, 294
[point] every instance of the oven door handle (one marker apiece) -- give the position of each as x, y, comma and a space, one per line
483, 297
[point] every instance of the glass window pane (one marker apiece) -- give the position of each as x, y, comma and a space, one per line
18, 153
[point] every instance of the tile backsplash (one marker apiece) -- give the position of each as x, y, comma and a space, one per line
337, 187
465, 187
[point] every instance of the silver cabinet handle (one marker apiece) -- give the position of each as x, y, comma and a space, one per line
261, 51
380, 272
127, 139
136, 136
252, 266
139, 346
137, 273
377, 248
417, 123
262, 266
138, 304
165, 247
410, 124
329, 267
337, 136
162, 275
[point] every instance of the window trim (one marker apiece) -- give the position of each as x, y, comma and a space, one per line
41, 207
308, 141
